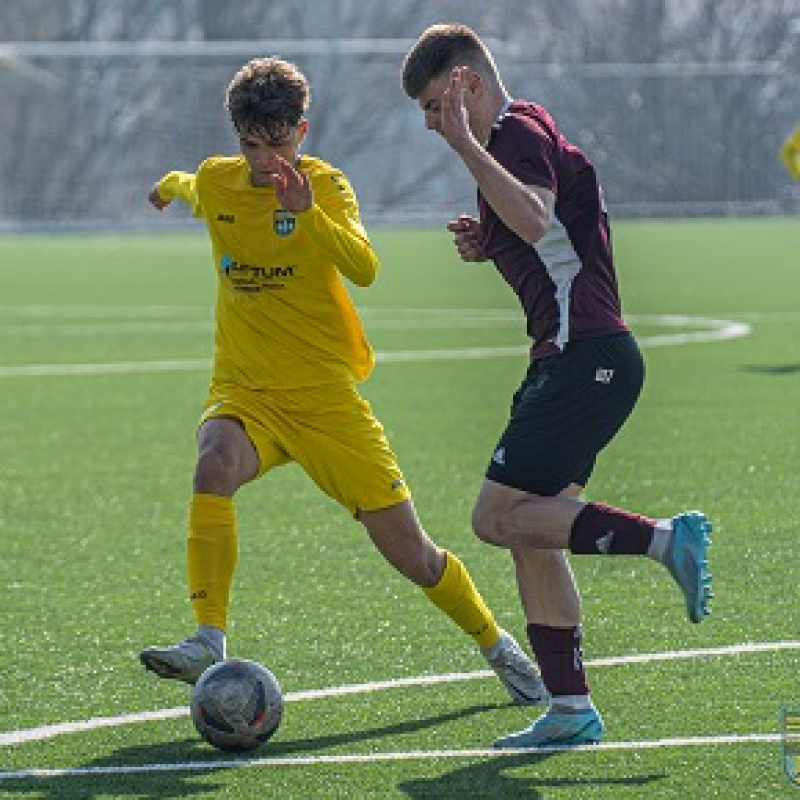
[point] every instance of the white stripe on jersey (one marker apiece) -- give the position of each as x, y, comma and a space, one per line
562, 265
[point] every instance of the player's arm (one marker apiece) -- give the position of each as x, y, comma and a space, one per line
176, 185
335, 227
790, 153
344, 240
526, 210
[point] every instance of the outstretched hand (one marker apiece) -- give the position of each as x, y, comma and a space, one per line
467, 238
292, 187
156, 200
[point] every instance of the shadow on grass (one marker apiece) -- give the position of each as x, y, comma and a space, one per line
287, 748
177, 768
773, 369
491, 779
124, 773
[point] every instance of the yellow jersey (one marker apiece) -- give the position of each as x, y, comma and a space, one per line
283, 317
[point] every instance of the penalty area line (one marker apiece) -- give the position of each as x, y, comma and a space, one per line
377, 758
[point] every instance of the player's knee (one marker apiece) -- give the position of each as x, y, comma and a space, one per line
215, 472
485, 525
498, 525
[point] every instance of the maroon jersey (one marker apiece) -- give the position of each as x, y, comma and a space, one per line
566, 282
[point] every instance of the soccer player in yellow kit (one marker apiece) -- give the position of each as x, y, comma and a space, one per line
289, 348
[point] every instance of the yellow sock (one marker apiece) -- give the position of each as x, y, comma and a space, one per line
456, 595
211, 556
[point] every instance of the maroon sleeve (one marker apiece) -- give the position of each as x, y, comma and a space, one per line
528, 152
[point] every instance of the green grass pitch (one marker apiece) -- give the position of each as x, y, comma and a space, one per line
104, 342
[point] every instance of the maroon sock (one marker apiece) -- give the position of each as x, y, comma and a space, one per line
558, 653
601, 529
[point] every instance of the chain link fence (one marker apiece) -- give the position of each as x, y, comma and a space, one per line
88, 127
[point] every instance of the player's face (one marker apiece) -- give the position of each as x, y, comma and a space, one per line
432, 98
260, 150
430, 101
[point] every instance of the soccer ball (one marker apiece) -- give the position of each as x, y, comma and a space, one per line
237, 705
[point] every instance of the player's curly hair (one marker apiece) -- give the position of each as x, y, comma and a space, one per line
267, 96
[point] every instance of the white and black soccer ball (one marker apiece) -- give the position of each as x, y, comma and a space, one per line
237, 705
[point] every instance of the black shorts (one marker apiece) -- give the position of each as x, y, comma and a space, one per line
568, 408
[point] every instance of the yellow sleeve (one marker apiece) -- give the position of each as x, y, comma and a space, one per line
349, 249
790, 153
177, 185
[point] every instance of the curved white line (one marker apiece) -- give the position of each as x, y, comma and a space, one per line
713, 330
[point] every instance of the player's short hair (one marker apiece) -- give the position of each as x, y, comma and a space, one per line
267, 97
438, 50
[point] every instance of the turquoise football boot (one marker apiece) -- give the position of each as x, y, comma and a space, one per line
559, 726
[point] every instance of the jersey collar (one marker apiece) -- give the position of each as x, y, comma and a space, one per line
498, 120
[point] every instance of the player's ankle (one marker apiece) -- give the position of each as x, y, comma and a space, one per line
215, 638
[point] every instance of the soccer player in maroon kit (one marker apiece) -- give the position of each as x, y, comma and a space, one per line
543, 222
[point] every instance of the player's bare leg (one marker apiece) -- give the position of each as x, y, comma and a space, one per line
512, 518
399, 537
552, 605
546, 583
517, 520
547, 587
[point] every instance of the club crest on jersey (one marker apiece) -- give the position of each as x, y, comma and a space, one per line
283, 222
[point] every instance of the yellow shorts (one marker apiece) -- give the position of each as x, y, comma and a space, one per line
329, 430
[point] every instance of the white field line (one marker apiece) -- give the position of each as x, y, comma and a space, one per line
368, 313
378, 758
138, 328
110, 368
132, 320
707, 330
62, 728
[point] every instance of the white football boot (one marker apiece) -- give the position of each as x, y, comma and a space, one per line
185, 661
516, 671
